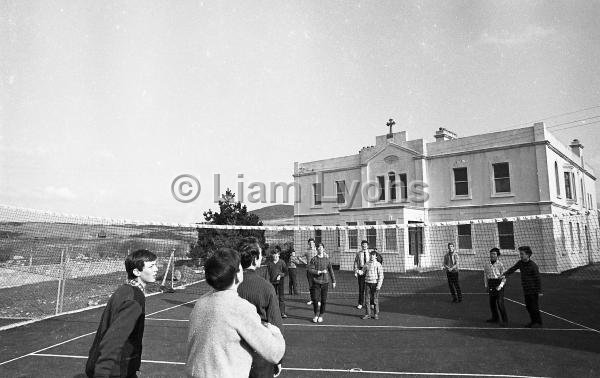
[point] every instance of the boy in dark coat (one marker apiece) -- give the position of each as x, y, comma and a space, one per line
532, 285
117, 347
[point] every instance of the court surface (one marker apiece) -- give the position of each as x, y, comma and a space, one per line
418, 334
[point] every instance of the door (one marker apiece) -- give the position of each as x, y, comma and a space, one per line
415, 241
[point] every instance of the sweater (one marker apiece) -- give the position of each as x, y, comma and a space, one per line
224, 330
530, 276
275, 269
117, 347
374, 273
256, 290
321, 263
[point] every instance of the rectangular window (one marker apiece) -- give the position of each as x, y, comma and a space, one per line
574, 187
403, 186
338, 238
506, 236
318, 235
568, 185
562, 235
464, 236
393, 189
579, 238
572, 239
340, 187
381, 181
461, 182
501, 177
317, 194
390, 237
352, 236
371, 234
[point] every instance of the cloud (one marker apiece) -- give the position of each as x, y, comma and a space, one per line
60, 193
531, 33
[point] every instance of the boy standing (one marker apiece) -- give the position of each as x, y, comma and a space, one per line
117, 347
494, 283
277, 270
451, 268
292, 281
361, 258
532, 285
373, 273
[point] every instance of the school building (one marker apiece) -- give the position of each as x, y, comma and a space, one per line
444, 191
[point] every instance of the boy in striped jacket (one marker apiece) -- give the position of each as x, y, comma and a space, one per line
373, 272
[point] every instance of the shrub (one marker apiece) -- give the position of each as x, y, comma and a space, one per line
6, 253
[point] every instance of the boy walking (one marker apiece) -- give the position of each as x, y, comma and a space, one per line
532, 285
277, 270
117, 347
373, 273
361, 258
451, 268
494, 283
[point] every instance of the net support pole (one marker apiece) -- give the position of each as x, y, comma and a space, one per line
172, 267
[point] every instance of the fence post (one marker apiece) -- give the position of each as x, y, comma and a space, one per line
60, 284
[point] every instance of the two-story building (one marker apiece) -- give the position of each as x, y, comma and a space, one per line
441, 192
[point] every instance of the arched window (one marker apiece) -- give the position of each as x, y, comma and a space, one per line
557, 178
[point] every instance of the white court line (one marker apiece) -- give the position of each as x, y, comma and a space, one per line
87, 334
355, 370
557, 317
432, 327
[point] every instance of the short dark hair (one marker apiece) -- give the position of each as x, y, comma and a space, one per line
320, 244
451, 244
310, 240
526, 249
364, 242
137, 260
249, 250
495, 249
276, 250
373, 252
221, 267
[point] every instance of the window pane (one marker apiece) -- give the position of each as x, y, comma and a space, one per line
507, 242
371, 235
317, 193
390, 237
505, 227
381, 181
403, 186
501, 170
318, 235
464, 229
568, 185
464, 242
352, 236
502, 185
461, 188
460, 174
341, 188
392, 178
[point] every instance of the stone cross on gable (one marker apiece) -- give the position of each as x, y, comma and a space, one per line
390, 123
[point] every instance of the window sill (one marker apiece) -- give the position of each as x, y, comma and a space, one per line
466, 252
461, 198
509, 252
316, 207
502, 195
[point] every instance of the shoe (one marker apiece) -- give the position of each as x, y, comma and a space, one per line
365, 317
315, 319
373, 306
318, 303
283, 316
309, 302
359, 306
376, 317
492, 321
320, 319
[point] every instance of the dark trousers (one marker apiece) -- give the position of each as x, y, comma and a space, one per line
310, 282
261, 368
293, 284
372, 296
454, 286
361, 290
533, 307
496, 300
318, 292
279, 290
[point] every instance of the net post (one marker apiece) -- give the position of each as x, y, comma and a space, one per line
59, 289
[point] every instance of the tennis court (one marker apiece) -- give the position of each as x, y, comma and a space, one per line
420, 333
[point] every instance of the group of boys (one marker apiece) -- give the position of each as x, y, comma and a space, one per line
117, 346
494, 278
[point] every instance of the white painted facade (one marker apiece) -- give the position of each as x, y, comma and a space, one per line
505, 174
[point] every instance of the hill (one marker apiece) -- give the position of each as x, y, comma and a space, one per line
274, 212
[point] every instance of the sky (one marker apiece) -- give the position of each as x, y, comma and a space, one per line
104, 103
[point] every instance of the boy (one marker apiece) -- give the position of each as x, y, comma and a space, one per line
117, 347
292, 281
494, 283
258, 291
532, 285
451, 268
277, 270
373, 273
361, 258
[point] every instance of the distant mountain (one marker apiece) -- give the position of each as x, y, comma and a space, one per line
274, 212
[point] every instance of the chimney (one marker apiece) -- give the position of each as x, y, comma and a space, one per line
576, 147
443, 134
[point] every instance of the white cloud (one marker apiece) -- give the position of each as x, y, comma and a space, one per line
61, 193
530, 34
